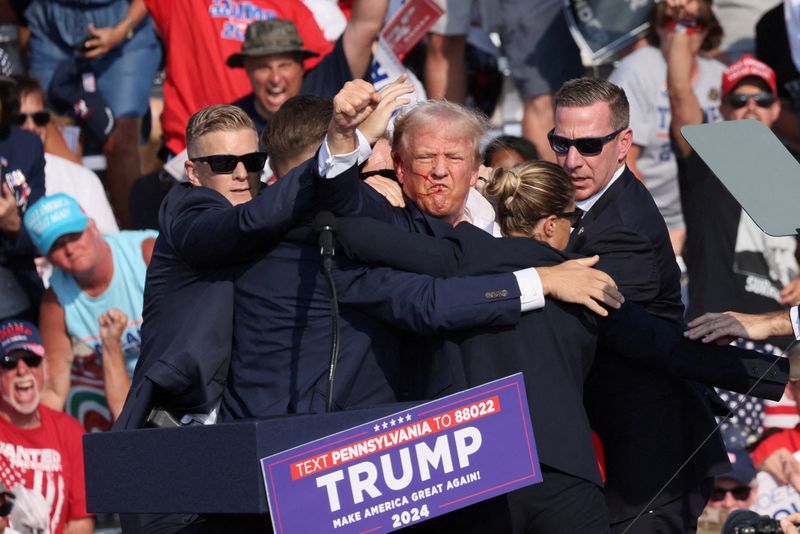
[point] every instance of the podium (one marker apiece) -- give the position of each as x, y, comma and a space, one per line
210, 469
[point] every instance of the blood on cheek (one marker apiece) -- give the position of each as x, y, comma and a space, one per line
434, 190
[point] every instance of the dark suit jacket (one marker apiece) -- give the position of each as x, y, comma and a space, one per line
188, 299
633, 408
554, 346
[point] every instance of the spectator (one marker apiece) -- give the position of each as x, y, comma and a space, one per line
117, 41
445, 65
643, 76
528, 43
212, 31
92, 275
776, 453
22, 156
737, 488
506, 151
272, 55
773, 48
62, 175
42, 448
731, 263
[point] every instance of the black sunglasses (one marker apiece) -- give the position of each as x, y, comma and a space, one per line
587, 146
9, 362
226, 163
573, 216
40, 118
739, 100
740, 493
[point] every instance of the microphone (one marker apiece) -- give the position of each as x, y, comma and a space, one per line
325, 227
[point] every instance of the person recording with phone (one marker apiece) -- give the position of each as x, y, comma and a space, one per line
22, 184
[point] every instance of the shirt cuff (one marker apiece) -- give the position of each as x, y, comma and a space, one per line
530, 286
794, 316
331, 166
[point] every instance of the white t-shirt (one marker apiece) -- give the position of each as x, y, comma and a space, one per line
64, 176
643, 76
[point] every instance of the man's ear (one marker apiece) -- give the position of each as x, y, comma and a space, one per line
191, 173
398, 167
625, 142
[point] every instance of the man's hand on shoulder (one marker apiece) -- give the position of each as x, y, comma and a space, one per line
577, 282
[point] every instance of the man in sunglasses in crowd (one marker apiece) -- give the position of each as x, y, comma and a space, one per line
724, 246
738, 488
622, 224
41, 448
60, 174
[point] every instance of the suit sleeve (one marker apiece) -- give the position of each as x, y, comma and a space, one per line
427, 305
630, 259
207, 232
463, 251
633, 333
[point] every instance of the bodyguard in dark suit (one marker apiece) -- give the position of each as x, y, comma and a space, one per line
188, 301
633, 409
554, 348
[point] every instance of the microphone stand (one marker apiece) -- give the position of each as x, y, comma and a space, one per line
324, 224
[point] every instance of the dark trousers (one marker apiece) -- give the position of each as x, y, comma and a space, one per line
561, 503
675, 517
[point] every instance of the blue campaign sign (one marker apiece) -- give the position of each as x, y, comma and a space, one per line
407, 467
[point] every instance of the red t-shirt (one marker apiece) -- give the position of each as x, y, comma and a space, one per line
788, 439
199, 36
49, 460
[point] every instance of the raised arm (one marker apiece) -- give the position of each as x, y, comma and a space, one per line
684, 106
58, 351
366, 20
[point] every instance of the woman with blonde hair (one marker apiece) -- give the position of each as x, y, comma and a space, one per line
534, 199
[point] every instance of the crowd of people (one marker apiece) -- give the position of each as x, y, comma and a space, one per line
596, 253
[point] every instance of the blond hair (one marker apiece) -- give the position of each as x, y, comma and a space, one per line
528, 192
218, 118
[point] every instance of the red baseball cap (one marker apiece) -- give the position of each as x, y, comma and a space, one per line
745, 67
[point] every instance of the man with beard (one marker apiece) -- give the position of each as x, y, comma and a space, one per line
40, 449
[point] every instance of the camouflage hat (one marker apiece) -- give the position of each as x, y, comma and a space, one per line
267, 37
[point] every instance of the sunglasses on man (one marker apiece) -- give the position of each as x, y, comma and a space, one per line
740, 493
739, 100
226, 163
587, 146
9, 361
39, 118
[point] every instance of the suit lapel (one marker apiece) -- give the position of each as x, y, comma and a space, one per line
596, 212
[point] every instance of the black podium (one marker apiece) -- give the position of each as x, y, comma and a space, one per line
210, 469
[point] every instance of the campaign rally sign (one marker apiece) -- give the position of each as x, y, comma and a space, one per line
775, 500
409, 25
407, 467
